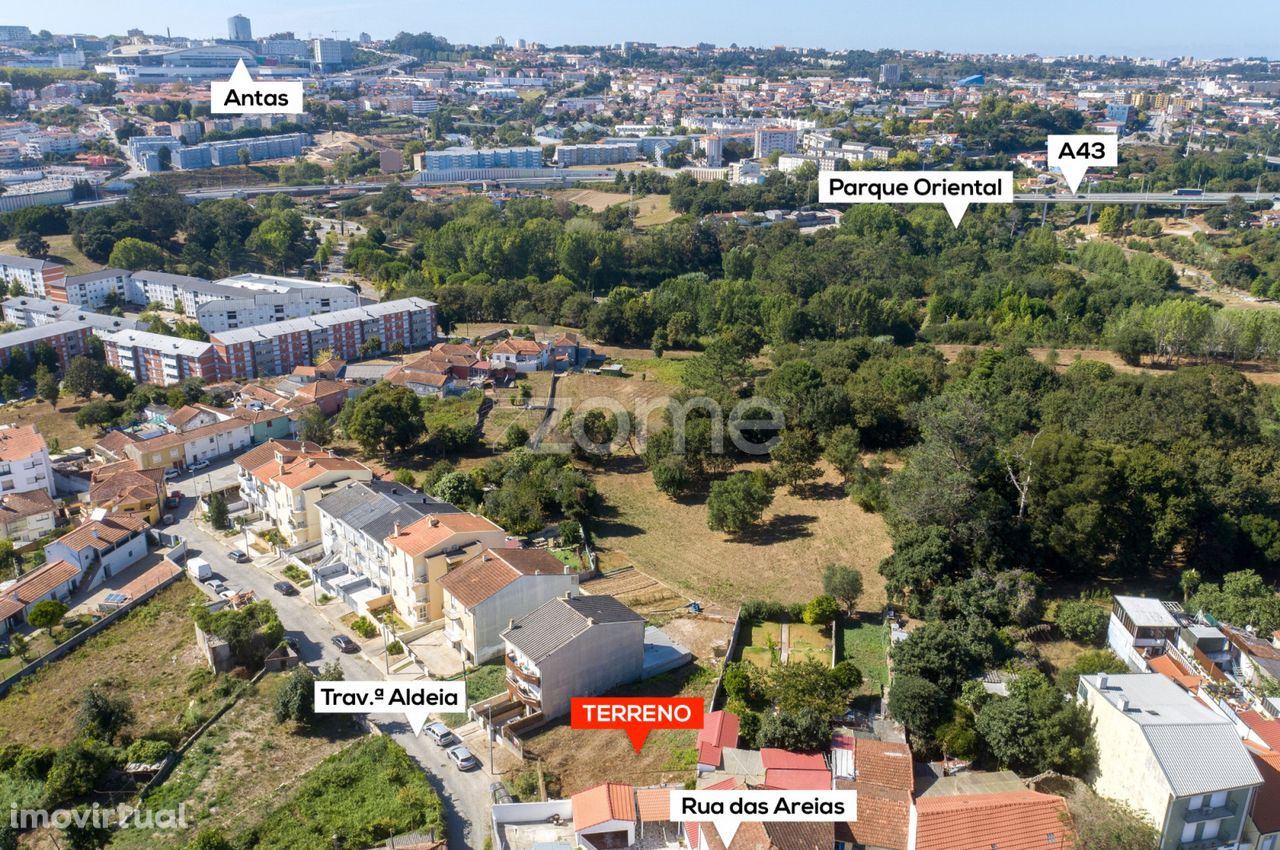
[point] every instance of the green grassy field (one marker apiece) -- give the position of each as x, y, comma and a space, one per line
865, 642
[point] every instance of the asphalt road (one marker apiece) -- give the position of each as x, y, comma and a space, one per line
465, 795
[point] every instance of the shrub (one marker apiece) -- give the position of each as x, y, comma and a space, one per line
147, 751
1082, 621
395, 648
363, 627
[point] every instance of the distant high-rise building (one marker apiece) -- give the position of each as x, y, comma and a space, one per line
238, 28
331, 54
365, 38
891, 74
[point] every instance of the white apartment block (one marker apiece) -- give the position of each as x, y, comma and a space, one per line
770, 139
24, 460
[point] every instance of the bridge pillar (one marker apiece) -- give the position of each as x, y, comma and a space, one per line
1089, 216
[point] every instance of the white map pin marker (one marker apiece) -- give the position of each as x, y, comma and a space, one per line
956, 208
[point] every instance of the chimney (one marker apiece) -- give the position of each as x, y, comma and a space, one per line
1123, 704
433, 521
567, 570
396, 531
511, 624
1102, 681
591, 621
537, 572
568, 594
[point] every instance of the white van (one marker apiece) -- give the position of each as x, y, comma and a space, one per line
199, 569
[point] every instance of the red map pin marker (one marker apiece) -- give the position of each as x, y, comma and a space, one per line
637, 716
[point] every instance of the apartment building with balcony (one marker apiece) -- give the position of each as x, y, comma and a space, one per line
423, 552
276, 349
572, 646
288, 486
67, 339
24, 461
26, 517
1178, 764
92, 288
180, 449
152, 358
495, 587
281, 451
355, 522
27, 311
1140, 628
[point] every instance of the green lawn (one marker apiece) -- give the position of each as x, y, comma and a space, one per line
762, 644
809, 642
865, 642
664, 369
487, 680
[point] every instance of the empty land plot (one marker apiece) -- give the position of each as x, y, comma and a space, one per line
239, 770
865, 643
638, 591
61, 250
593, 199
53, 423
581, 758
780, 559
149, 656
761, 645
807, 642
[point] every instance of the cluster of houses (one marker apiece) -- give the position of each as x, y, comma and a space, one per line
453, 368
893, 808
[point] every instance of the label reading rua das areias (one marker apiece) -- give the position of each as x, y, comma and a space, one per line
955, 190
728, 809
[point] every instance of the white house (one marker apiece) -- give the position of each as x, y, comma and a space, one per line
101, 547
522, 355
1140, 627
24, 460
487, 592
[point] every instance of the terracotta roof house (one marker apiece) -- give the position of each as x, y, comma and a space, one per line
422, 552
789, 771
1263, 830
53, 580
111, 446
605, 816
520, 355
1018, 820
719, 731
287, 487
101, 547
123, 488
485, 593
26, 517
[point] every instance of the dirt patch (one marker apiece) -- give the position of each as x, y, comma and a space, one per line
638, 591
706, 637
53, 423
781, 559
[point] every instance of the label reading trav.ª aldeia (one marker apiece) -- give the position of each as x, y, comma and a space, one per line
416, 700
955, 190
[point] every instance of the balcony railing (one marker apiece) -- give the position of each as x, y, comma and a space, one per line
521, 674
1209, 813
528, 695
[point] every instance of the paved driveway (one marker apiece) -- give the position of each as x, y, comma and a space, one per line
466, 795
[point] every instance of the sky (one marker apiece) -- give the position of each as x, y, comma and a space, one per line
1159, 28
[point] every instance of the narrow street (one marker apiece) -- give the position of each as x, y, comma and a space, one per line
465, 795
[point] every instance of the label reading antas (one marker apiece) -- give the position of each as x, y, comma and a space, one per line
242, 94
955, 190
1073, 155
416, 700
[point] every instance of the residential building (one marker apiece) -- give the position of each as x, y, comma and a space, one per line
266, 424
572, 646
1140, 628
719, 732
26, 517
568, 155
91, 289
151, 358
1180, 765
355, 522
280, 451
484, 594
24, 461
124, 488
881, 773
30, 312
53, 580
1262, 832
67, 339
256, 299
422, 552
101, 547
1012, 820
890, 73
288, 489
520, 355
770, 139
331, 54
456, 158
180, 449
275, 349
605, 816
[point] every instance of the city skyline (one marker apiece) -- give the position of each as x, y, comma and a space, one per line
1092, 27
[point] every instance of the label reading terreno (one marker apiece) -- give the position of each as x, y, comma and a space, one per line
242, 94
955, 190
416, 700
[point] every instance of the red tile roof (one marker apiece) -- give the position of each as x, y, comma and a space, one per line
719, 730
882, 763
493, 569
102, 533
1267, 730
41, 581
654, 804
794, 771
1167, 666
1017, 820
884, 817
603, 803
18, 442
15, 506
1266, 803
434, 529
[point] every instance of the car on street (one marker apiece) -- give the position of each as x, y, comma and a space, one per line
462, 757
217, 585
441, 734
284, 588
345, 644
174, 499
171, 473
200, 464
229, 592
238, 556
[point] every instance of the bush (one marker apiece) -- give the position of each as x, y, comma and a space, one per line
918, 704
761, 610
822, 610
147, 751
1082, 621
364, 628
395, 648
